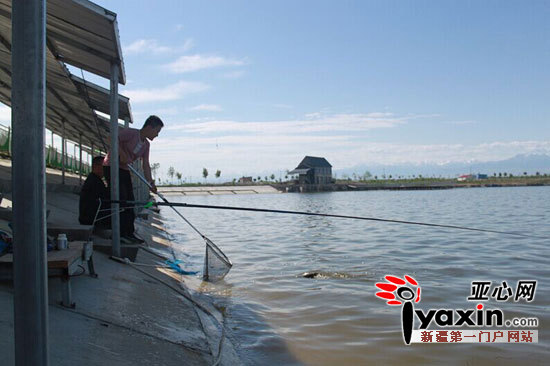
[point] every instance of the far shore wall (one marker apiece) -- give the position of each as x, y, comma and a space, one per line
307, 188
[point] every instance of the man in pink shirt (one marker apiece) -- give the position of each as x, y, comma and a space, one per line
132, 144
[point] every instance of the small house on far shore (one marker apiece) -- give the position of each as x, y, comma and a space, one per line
245, 180
313, 170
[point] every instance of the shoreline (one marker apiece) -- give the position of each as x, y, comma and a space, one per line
344, 187
138, 314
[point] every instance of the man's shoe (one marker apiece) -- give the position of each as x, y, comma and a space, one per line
126, 240
135, 238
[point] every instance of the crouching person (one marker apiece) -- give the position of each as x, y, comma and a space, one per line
92, 192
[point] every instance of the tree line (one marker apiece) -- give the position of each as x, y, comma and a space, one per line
173, 173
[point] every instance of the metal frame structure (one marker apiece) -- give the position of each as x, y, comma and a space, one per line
35, 43
84, 35
28, 181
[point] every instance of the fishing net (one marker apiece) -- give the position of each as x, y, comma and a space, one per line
216, 264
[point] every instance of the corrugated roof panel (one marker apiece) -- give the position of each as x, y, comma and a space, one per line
85, 34
99, 98
75, 12
82, 32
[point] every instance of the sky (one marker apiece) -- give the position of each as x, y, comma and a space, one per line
251, 87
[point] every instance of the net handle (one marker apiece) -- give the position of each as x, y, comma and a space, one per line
209, 243
165, 200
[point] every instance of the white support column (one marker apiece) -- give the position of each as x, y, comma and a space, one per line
63, 153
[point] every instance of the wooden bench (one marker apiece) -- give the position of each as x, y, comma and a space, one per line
61, 263
73, 232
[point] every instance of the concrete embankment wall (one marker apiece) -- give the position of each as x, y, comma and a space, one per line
305, 188
308, 188
217, 190
131, 314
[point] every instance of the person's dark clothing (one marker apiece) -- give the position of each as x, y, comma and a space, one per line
126, 192
93, 190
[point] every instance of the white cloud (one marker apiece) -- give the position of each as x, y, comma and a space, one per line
238, 147
188, 44
145, 45
141, 46
392, 153
171, 92
251, 154
314, 122
252, 146
198, 62
242, 143
206, 107
314, 115
161, 112
234, 74
465, 122
282, 106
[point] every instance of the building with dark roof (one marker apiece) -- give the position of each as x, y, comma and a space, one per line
313, 170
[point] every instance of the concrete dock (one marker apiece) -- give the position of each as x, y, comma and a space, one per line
131, 314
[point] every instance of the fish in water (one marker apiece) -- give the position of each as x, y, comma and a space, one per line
310, 274
327, 275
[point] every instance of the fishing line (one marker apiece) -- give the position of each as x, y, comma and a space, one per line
335, 216
119, 211
164, 199
111, 209
216, 263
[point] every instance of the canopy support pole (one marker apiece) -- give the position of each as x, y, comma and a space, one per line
63, 152
115, 218
80, 158
29, 182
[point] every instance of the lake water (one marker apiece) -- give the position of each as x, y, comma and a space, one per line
276, 316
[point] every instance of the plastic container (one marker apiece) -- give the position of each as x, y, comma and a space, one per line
62, 242
88, 250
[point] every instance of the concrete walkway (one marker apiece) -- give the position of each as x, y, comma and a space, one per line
129, 315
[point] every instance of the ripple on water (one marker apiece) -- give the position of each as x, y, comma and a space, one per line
281, 317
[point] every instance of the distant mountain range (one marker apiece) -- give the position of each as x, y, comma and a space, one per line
516, 165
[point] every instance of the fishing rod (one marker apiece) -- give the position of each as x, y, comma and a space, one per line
163, 198
209, 243
233, 208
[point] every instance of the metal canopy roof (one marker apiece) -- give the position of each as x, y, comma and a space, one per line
99, 98
84, 35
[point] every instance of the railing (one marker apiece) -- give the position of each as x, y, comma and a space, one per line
54, 160
54, 157
141, 191
5, 140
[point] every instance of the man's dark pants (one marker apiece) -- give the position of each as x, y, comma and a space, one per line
126, 192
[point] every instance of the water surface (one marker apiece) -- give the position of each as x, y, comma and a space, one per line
277, 316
